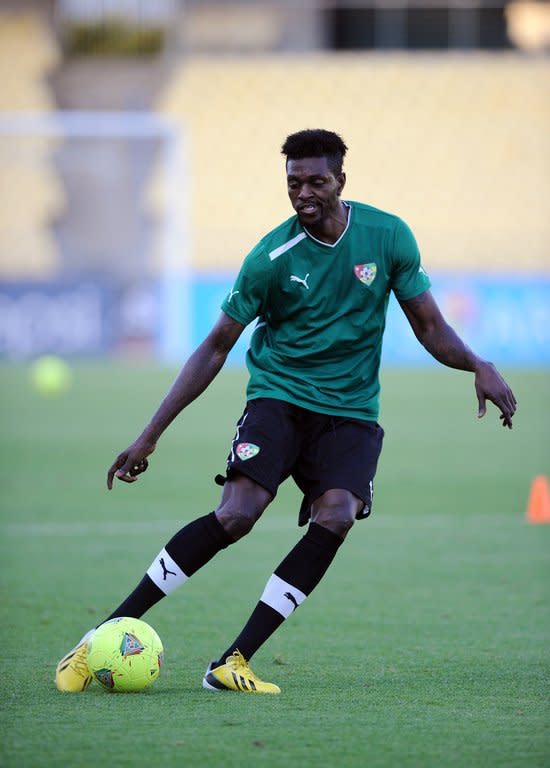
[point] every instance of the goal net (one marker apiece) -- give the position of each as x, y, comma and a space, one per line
94, 251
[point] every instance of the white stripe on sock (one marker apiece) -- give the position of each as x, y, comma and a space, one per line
281, 596
169, 577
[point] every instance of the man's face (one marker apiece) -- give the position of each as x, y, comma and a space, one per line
313, 189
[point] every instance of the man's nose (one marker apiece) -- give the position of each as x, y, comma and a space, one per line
305, 191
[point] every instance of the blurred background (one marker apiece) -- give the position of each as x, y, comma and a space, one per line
140, 153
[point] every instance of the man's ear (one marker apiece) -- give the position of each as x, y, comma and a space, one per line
341, 179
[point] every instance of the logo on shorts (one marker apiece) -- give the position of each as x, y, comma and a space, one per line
247, 451
365, 273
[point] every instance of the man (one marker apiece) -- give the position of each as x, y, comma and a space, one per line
319, 286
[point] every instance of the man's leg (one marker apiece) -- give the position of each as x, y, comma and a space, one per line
334, 462
186, 552
293, 580
242, 503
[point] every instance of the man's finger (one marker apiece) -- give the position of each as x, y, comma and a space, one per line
482, 409
128, 469
125, 476
506, 418
123, 467
111, 473
508, 408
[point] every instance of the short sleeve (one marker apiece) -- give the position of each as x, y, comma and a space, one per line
247, 298
408, 277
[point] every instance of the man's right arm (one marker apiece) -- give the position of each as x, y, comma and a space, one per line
198, 372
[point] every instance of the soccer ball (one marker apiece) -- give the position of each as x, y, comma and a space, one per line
50, 376
124, 655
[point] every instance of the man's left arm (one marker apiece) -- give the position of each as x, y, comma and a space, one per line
443, 343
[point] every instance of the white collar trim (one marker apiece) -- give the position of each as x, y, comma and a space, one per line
332, 245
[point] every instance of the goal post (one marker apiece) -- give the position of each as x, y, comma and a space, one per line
166, 266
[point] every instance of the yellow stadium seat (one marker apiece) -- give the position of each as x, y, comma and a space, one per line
458, 145
30, 192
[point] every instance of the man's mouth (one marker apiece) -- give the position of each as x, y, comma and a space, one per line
308, 209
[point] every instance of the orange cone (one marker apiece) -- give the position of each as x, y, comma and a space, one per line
538, 506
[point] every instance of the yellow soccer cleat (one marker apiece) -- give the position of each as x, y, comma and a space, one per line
72, 674
236, 675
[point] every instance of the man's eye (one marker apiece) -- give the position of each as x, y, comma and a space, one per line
319, 182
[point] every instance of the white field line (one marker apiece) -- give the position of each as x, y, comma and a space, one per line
116, 527
267, 525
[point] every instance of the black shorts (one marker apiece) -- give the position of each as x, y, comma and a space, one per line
276, 440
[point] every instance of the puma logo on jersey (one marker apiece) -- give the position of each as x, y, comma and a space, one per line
301, 280
231, 294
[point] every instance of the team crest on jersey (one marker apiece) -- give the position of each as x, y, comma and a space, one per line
247, 451
365, 272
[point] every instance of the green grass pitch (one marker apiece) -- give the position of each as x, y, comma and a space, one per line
427, 644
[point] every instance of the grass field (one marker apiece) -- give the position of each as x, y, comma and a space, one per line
427, 644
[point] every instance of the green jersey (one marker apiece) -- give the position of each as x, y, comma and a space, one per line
321, 310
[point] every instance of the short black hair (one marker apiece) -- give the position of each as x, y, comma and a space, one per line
316, 142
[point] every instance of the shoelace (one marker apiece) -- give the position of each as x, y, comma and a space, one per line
79, 665
237, 662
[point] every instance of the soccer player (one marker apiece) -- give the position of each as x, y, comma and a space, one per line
318, 286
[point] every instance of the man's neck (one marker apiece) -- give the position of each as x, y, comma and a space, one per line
332, 228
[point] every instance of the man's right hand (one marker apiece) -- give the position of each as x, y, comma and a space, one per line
197, 373
131, 462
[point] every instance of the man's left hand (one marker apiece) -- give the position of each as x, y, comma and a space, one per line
491, 386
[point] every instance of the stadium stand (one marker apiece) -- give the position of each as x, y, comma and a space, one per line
29, 189
456, 144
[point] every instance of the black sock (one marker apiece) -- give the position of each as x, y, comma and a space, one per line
294, 579
191, 548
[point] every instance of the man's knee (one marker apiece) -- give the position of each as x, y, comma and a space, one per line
242, 504
336, 510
